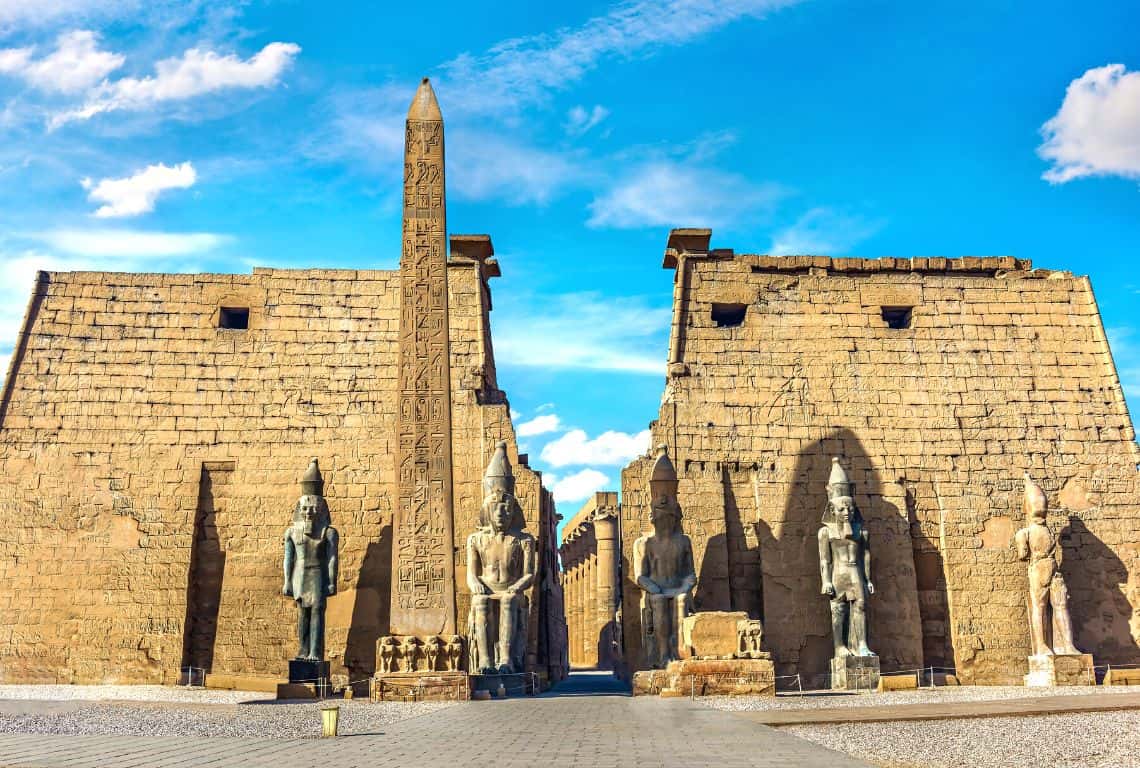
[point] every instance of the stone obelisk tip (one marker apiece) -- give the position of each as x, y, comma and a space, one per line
424, 106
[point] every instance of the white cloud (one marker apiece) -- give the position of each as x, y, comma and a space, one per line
579, 120
675, 194
524, 70
138, 194
515, 415
578, 486
539, 425
195, 73
584, 331
36, 12
608, 449
1097, 130
75, 65
129, 242
485, 165
823, 232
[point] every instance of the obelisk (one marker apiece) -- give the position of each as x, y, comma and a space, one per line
423, 565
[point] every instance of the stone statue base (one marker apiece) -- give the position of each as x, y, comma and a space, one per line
419, 686
855, 673
709, 677
307, 680
515, 685
1068, 669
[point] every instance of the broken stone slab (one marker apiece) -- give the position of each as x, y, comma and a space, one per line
1046, 670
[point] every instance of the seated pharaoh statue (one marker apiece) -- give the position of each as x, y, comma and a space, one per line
500, 568
663, 566
1050, 627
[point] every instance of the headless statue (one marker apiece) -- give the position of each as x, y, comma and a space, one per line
500, 568
311, 564
1047, 591
663, 566
845, 566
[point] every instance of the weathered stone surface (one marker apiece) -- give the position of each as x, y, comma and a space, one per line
855, 673
261, 683
1060, 669
1117, 676
1002, 368
709, 677
420, 686
907, 682
711, 634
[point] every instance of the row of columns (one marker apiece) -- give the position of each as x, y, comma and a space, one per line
590, 554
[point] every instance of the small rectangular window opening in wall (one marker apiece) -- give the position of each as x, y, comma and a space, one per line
728, 315
234, 318
897, 317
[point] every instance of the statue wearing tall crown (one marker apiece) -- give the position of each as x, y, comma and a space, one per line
845, 566
663, 566
500, 568
1050, 627
311, 545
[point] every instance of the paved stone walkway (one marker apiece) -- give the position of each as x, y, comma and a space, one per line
948, 710
587, 722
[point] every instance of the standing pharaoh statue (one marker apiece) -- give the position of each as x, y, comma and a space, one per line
500, 568
845, 567
311, 564
663, 566
1047, 591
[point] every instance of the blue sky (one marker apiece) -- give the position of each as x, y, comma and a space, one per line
215, 136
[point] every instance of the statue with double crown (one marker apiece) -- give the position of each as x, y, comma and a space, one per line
663, 566
311, 545
845, 570
500, 568
1050, 627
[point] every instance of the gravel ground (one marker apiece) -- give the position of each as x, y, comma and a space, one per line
922, 696
1092, 740
161, 711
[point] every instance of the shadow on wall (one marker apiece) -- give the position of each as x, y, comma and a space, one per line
1100, 610
204, 582
370, 610
798, 629
930, 581
745, 582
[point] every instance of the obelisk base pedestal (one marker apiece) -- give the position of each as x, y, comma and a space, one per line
1047, 670
855, 673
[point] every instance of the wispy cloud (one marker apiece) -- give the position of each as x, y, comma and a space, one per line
672, 193
129, 242
492, 166
539, 425
824, 232
76, 64
197, 72
526, 70
138, 194
583, 330
611, 448
1096, 132
580, 120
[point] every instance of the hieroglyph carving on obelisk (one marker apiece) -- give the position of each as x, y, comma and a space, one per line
423, 566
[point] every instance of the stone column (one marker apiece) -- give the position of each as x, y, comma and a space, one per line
606, 533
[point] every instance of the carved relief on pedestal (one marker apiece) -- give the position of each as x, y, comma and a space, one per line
749, 640
412, 653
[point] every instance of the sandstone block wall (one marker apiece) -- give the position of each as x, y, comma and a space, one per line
153, 462
778, 364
